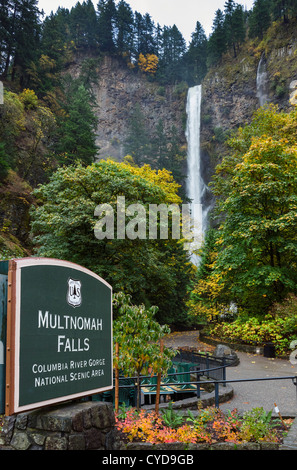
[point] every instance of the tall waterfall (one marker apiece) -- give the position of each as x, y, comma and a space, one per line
195, 184
262, 81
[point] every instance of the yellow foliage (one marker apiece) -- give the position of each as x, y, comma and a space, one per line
148, 63
29, 99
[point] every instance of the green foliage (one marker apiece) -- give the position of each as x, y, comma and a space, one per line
138, 335
257, 425
196, 55
19, 33
257, 191
4, 164
260, 18
159, 149
26, 131
171, 418
154, 272
76, 128
254, 330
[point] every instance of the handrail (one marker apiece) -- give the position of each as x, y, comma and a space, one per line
215, 382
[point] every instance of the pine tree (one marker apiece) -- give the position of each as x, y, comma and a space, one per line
173, 49
20, 30
137, 142
106, 25
217, 43
56, 37
259, 19
125, 28
83, 24
234, 25
196, 56
76, 129
144, 33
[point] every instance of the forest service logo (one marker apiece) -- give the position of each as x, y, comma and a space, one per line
74, 293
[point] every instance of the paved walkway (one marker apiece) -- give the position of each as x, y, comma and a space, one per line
248, 395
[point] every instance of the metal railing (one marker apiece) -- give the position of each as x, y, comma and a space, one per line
200, 365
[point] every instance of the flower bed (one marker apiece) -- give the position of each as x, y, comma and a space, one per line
209, 426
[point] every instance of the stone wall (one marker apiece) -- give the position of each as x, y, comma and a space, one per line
72, 426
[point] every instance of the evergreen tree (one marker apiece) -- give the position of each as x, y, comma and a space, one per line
159, 146
20, 32
281, 9
144, 33
56, 37
137, 142
4, 162
106, 25
172, 54
148, 44
196, 57
260, 18
83, 24
234, 25
125, 28
76, 129
217, 43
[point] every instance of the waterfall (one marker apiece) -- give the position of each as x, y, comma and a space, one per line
196, 187
262, 81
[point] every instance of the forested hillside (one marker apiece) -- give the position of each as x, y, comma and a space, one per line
104, 81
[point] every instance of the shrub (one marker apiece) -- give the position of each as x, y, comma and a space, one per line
211, 425
279, 331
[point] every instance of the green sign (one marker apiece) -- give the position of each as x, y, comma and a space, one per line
3, 321
62, 333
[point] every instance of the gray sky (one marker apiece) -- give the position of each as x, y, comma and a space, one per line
183, 13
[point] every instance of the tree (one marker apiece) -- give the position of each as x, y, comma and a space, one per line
259, 18
76, 128
282, 9
56, 37
83, 25
125, 28
144, 33
20, 32
11, 124
257, 187
4, 162
26, 132
234, 25
35, 159
171, 55
138, 335
148, 63
137, 141
196, 56
106, 25
153, 271
206, 300
217, 43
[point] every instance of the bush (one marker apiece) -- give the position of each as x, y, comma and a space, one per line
211, 425
279, 331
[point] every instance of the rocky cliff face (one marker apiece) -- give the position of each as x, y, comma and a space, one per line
117, 92
230, 90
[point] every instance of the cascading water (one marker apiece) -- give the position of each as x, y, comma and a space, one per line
196, 188
262, 81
